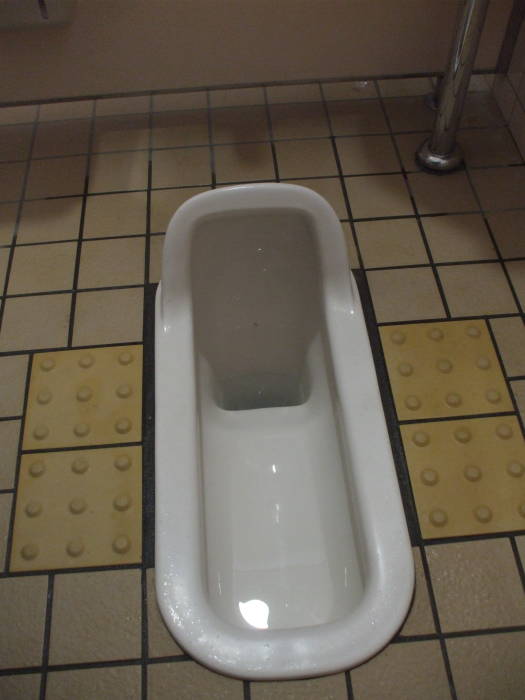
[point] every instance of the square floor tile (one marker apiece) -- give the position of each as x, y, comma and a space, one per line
96, 617
20, 687
367, 154
164, 203
11, 180
181, 166
488, 666
476, 585
458, 238
500, 188
510, 338
122, 105
160, 640
357, 117
84, 397
304, 120
508, 227
308, 92
405, 87
22, 618
420, 619
391, 242
309, 157
378, 196
49, 220
191, 681
13, 373
15, 141
115, 215
55, 177
349, 90
9, 436
518, 389
409, 114
8, 214
113, 316
110, 172
516, 270
405, 294
237, 97
188, 127
6, 500
35, 322
121, 133
331, 189
238, 124
77, 509
112, 263
55, 111
442, 194
244, 162
443, 370
407, 671
42, 268
156, 245
466, 288
328, 688
180, 100
111, 683
488, 147
63, 138
466, 475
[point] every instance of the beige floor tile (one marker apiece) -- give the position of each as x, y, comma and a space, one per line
508, 227
244, 163
308, 92
405, 295
5, 519
520, 542
420, 619
9, 435
353, 257
510, 338
458, 237
188, 127
11, 179
500, 188
22, 618
304, 120
487, 667
156, 244
367, 154
378, 195
96, 617
4, 258
122, 105
13, 373
357, 117
112, 263
405, 87
516, 272
121, 214
476, 585
238, 97
391, 242
181, 166
56, 177
49, 220
42, 268
466, 288
330, 188
113, 316
328, 688
77, 509
20, 687
190, 681
65, 138
350, 90
18, 115
466, 475
8, 214
160, 641
110, 172
481, 109
407, 145
309, 157
405, 671
35, 322
113, 683
488, 147
164, 203
443, 370
442, 194
236, 124
180, 100
409, 114
122, 133
518, 389
15, 141
65, 110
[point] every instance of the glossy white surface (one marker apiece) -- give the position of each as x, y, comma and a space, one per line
281, 546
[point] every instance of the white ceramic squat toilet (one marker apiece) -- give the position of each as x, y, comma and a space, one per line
281, 543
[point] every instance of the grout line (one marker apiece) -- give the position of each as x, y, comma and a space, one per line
71, 570
519, 563
47, 636
349, 688
459, 417
271, 134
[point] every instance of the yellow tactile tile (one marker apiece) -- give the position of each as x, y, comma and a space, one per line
441, 370
85, 397
78, 508
468, 476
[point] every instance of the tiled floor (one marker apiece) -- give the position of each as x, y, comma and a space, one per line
86, 192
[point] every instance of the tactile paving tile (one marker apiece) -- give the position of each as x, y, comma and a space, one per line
441, 370
84, 397
468, 476
78, 508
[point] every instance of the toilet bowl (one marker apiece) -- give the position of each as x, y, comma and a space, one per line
281, 544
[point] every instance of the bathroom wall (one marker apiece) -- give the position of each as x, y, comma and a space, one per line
509, 91
121, 46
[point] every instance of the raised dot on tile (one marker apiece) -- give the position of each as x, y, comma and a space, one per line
429, 477
47, 364
84, 394
125, 358
37, 469
124, 391
483, 514
121, 544
123, 425
81, 429
435, 334
420, 438
79, 465
33, 508
438, 517
462, 435
77, 506
86, 361
405, 369
413, 403
444, 366
29, 551
472, 473
473, 331
40, 432
483, 363
453, 399
515, 469
121, 502
44, 396
398, 337
504, 431
122, 462
493, 396
75, 547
